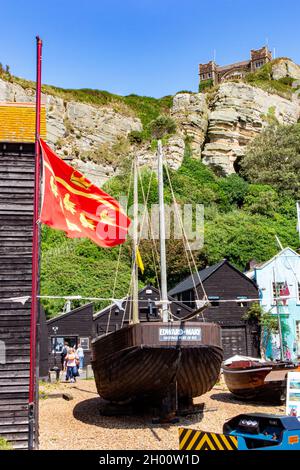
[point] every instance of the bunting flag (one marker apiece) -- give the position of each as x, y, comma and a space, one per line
139, 261
73, 204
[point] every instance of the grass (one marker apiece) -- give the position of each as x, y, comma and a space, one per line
263, 79
109, 154
271, 86
146, 108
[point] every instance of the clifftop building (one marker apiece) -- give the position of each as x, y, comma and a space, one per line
211, 71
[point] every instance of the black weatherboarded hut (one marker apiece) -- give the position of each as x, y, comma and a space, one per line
222, 282
112, 318
16, 215
75, 327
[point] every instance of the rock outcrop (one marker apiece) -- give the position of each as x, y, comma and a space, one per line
237, 114
190, 111
173, 153
282, 68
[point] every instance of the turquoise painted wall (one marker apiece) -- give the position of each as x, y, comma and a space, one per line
284, 267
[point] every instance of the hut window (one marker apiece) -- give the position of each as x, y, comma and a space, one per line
84, 343
277, 287
57, 344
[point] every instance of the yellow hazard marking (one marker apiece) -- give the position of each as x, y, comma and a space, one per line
191, 444
217, 442
190, 439
185, 437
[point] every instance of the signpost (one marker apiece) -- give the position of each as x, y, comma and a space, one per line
170, 333
293, 394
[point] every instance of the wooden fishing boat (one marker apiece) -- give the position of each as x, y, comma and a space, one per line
252, 379
146, 359
163, 360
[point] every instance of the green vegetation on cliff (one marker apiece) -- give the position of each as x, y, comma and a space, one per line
242, 218
144, 107
274, 158
263, 79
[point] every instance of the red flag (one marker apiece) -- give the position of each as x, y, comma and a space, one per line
73, 204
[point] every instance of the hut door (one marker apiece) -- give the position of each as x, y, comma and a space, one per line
234, 341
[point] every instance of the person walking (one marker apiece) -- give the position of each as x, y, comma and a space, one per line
80, 354
71, 359
63, 354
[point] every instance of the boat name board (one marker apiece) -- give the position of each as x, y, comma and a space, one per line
180, 334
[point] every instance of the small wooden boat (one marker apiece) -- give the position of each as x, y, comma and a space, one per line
252, 379
145, 359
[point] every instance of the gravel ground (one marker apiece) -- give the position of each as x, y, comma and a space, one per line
78, 424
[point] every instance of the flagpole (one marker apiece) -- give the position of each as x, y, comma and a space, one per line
162, 237
135, 294
35, 255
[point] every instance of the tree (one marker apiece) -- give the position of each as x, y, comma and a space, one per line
268, 325
161, 126
261, 199
274, 158
235, 189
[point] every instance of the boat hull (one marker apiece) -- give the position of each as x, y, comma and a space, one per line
133, 362
259, 382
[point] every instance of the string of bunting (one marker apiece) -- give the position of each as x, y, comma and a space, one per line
24, 299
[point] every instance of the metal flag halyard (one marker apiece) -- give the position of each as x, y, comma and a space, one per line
32, 408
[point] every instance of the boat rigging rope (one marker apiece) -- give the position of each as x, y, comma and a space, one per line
155, 255
114, 288
119, 255
128, 300
187, 246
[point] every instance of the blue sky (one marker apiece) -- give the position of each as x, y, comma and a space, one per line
147, 47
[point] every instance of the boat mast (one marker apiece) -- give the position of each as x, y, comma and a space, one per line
162, 237
135, 304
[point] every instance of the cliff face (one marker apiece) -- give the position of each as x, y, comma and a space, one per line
75, 129
218, 126
237, 114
